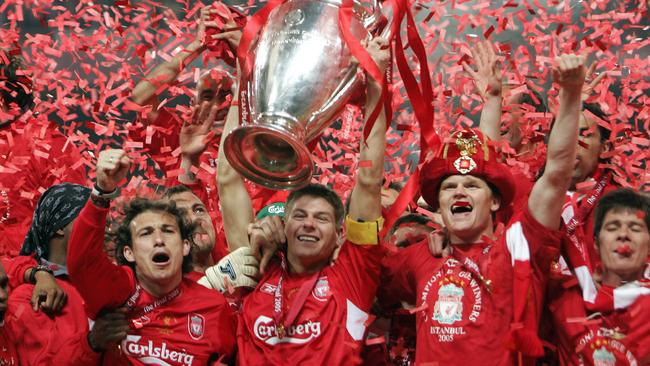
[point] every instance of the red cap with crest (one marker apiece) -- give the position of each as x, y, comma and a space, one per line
467, 152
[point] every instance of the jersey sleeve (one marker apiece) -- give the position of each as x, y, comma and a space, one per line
91, 272
528, 240
357, 268
16, 267
398, 277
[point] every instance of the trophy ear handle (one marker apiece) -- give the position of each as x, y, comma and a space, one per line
379, 23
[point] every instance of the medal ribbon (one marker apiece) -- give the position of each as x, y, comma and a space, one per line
283, 322
421, 97
146, 309
473, 268
575, 222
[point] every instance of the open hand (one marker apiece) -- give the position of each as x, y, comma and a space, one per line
488, 77
591, 83
194, 136
570, 72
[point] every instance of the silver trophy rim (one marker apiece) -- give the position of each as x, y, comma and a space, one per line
293, 179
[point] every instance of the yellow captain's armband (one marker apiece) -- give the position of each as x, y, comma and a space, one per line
363, 233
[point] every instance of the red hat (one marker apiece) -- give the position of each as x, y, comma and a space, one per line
467, 152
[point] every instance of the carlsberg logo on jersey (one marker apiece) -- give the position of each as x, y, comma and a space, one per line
151, 353
265, 330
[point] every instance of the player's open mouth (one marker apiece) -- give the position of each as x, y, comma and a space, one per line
160, 258
461, 207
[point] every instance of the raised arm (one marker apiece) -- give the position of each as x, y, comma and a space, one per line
89, 267
144, 93
547, 197
195, 137
365, 201
488, 80
236, 205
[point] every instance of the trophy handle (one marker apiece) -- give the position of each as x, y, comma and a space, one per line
378, 22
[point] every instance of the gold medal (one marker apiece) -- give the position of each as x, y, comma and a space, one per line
280, 330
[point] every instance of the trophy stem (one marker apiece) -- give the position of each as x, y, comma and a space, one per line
270, 153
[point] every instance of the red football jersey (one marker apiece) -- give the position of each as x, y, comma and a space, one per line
189, 326
40, 339
331, 325
619, 336
465, 301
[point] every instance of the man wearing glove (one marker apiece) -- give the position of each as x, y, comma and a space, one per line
238, 269
311, 305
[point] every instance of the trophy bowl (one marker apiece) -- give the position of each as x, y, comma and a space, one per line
303, 74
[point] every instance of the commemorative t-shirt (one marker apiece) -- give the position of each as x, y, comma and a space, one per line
465, 301
619, 336
331, 325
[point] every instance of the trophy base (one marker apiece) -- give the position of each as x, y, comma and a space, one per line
269, 156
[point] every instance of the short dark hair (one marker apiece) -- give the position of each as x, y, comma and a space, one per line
534, 99
412, 218
321, 191
594, 108
13, 90
177, 189
140, 205
395, 185
621, 199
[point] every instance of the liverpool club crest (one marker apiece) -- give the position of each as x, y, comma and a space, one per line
196, 326
602, 357
321, 289
449, 306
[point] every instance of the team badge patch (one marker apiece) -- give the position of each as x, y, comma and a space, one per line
449, 306
602, 357
321, 289
196, 326
464, 164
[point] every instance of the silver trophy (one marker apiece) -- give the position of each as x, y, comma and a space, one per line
303, 75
